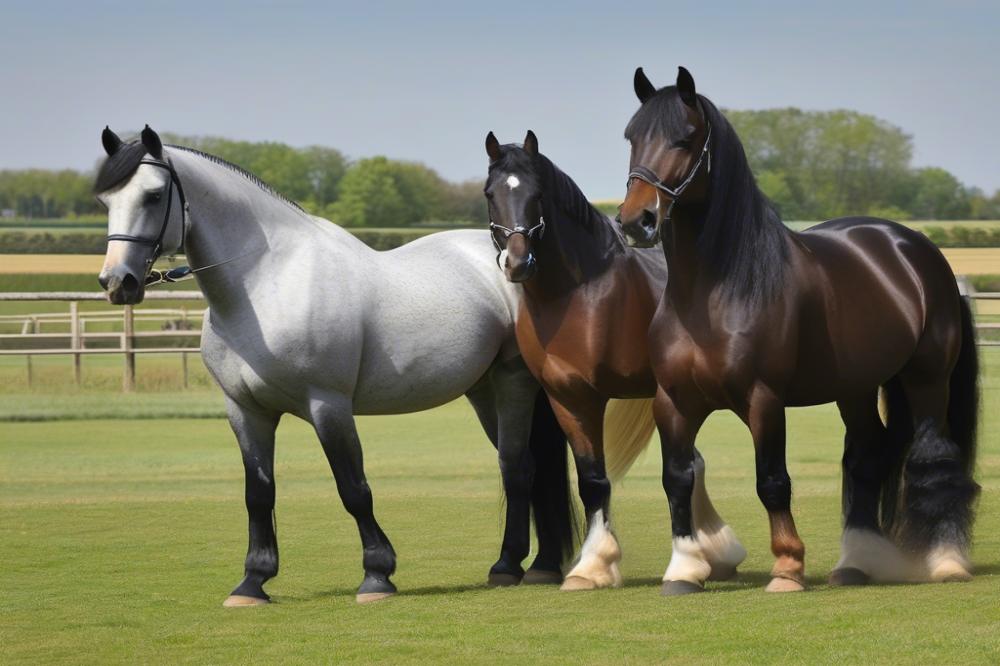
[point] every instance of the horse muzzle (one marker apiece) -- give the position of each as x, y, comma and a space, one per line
641, 232
122, 288
521, 271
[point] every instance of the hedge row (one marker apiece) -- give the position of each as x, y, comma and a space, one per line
32, 242
964, 236
90, 242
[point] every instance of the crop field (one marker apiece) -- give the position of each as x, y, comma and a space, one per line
122, 536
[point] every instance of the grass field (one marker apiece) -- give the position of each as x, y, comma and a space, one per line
121, 539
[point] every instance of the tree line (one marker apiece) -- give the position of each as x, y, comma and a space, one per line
812, 164
816, 165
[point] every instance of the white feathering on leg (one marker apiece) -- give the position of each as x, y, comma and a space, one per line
599, 555
878, 557
687, 562
717, 540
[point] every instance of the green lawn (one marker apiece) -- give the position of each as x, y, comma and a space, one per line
121, 538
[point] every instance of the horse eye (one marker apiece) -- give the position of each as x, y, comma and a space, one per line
682, 143
153, 198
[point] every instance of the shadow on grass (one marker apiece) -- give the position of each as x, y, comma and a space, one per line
745, 580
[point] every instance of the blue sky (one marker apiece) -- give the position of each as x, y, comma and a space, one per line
426, 81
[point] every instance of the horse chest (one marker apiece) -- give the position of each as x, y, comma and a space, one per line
573, 345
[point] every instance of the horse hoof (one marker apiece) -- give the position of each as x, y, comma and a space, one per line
541, 577
779, 584
950, 571
676, 588
502, 580
242, 601
722, 572
577, 584
370, 597
848, 576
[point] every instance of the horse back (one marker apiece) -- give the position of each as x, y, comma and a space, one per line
870, 292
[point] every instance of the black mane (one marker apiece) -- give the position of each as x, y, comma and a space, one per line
741, 236
119, 167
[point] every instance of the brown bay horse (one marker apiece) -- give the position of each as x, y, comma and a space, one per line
756, 318
585, 293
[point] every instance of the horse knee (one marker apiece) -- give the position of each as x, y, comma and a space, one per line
775, 491
595, 490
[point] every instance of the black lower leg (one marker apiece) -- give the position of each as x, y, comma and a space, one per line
517, 472
262, 553
595, 487
864, 473
379, 559
255, 433
678, 484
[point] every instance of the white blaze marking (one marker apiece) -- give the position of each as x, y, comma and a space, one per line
513, 181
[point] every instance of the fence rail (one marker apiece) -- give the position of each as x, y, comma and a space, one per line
78, 335
31, 329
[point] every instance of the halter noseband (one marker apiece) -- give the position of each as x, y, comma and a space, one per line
528, 232
647, 175
157, 243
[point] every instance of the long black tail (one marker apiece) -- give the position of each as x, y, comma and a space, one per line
938, 493
551, 504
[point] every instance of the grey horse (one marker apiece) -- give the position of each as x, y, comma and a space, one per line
307, 320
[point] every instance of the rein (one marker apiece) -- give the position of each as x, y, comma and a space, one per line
647, 175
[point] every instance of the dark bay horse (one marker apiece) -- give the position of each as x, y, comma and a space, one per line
585, 291
756, 318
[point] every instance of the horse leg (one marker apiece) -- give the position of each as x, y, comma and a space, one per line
689, 567
722, 549
505, 402
866, 554
766, 419
938, 488
255, 433
583, 424
334, 423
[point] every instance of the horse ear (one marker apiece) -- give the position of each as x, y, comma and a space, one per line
492, 147
151, 140
685, 86
111, 141
531, 143
643, 88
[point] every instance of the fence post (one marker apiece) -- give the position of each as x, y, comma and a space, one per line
128, 380
31, 370
184, 356
74, 333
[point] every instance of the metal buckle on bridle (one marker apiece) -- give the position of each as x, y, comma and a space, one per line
647, 175
507, 232
157, 243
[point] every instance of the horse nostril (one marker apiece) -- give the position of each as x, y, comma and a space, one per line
130, 283
618, 218
103, 280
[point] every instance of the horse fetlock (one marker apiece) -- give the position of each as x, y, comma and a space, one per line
379, 560
687, 562
789, 568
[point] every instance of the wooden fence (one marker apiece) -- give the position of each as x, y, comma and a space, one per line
33, 329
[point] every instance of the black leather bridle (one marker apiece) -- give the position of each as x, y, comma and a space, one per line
528, 232
647, 175
157, 243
